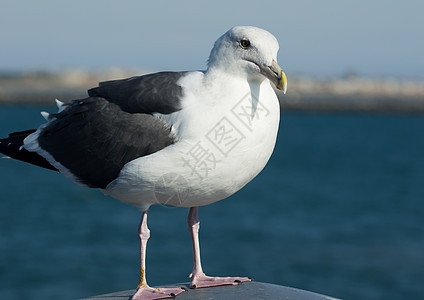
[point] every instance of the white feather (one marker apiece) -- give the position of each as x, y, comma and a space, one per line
45, 115
60, 105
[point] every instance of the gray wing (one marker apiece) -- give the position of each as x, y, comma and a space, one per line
152, 93
94, 139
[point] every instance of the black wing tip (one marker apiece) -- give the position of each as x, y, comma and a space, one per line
12, 147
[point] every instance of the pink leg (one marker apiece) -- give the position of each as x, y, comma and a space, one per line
199, 279
144, 292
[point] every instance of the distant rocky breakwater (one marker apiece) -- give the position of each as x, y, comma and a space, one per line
304, 93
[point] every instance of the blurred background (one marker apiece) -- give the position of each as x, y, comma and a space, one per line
339, 208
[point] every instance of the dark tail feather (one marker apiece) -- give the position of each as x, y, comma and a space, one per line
12, 147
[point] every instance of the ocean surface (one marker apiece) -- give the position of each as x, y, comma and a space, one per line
339, 210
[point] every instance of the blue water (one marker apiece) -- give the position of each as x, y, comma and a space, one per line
339, 210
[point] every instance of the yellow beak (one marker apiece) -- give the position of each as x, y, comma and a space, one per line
276, 75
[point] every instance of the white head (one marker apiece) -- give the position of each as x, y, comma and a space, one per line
248, 51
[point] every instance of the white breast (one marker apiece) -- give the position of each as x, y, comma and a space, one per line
224, 141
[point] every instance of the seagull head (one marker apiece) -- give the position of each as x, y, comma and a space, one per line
251, 52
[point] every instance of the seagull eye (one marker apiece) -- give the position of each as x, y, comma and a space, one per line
245, 43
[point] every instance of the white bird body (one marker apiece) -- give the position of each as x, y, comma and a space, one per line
221, 146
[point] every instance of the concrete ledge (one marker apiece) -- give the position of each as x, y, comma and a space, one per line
247, 290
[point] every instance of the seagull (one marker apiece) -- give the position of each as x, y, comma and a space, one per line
184, 139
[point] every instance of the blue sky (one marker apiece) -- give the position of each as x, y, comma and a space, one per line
318, 38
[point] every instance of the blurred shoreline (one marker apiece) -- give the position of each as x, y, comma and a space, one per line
348, 93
